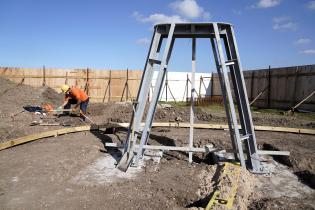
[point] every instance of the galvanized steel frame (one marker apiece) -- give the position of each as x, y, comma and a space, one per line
220, 35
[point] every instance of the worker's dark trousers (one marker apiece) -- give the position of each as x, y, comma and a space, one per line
83, 105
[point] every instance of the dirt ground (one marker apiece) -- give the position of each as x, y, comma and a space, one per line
15, 121
76, 171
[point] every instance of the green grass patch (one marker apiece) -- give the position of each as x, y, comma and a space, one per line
255, 110
268, 111
304, 115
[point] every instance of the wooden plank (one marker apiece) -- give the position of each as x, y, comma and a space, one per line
97, 92
117, 85
270, 152
286, 130
260, 93
35, 82
222, 127
56, 77
69, 77
305, 99
46, 134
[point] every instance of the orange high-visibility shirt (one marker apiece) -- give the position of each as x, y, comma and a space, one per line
78, 94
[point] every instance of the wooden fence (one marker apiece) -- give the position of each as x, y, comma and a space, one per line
280, 87
101, 85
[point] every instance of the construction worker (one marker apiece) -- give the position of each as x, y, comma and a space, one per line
76, 96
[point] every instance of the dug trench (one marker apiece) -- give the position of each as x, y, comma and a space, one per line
305, 176
296, 190
282, 180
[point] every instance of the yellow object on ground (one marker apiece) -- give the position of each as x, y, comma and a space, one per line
231, 170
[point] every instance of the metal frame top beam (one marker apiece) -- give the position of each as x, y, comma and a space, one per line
184, 30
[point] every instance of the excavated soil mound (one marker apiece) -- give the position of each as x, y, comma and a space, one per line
14, 96
14, 119
181, 114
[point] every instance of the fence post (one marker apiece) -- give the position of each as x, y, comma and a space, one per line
187, 89
66, 81
269, 87
293, 99
127, 86
44, 76
109, 91
87, 84
212, 85
76, 77
166, 85
200, 80
251, 85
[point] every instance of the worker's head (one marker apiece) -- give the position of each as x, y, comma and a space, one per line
65, 88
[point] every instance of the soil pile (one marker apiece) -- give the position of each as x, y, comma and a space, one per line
14, 96
122, 112
14, 120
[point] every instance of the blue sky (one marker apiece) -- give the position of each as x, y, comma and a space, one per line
116, 34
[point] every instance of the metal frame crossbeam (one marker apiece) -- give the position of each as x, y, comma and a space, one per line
222, 39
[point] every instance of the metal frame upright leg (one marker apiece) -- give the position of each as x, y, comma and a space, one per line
146, 79
140, 103
253, 162
224, 96
192, 99
229, 94
156, 92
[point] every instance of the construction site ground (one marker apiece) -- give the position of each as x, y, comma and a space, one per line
76, 171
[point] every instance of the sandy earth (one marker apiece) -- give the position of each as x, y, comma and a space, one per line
76, 171
73, 172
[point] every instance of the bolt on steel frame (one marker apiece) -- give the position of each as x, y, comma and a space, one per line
225, 51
